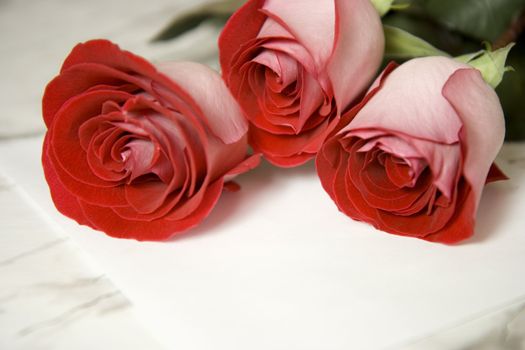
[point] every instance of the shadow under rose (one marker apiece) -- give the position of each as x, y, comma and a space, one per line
232, 205
492, 212
499, 198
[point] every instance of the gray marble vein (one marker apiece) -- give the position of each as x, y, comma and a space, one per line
51, 297
68, 285
67, 316
31, 252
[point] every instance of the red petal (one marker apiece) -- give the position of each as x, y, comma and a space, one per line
326, 163
65, 140
421, 224
232, 186
290, 162
353, 43
284, 146
82, 78
246, 165
461, 225
107, 220
348, 116
215, 105
496, 174
242, 26
106, 53
146, 197
65, 202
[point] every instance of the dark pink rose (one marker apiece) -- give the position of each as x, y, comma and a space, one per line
139, 151
294, 66
417, 152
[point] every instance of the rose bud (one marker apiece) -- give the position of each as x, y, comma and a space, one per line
417, 152
294, 66
139, 151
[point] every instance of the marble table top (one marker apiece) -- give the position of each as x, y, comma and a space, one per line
61, 281
52, 295
227, 285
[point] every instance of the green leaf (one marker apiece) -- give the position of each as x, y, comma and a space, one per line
400, 7
480, 19
491, 64
400, 44
217, 12
435, 34
383, 6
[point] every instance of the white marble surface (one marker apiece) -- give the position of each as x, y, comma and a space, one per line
36, 36
500, 329
302, 276
51, 295
251, 281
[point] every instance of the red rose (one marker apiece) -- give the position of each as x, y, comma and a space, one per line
415, 158
137, 151
295, 65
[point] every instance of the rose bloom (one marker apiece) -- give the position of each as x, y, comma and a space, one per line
295, 65
415, 157
139, 151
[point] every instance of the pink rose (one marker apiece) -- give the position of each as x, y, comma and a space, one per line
416, 156
294, 66
139, 151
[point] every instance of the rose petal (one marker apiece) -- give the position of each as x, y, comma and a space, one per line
297, 52
483, 124
309, 22
160, 229
146, 197
106, 53
246, 165
419, 224
272, 29
242, 26
350, 114
388, 110
291, 161
82, 78
461, 225
64, 201
65, 137
496, 174
206, 86
311, 98
286, 146
358, 50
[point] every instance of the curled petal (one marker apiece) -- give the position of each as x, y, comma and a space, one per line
160, 229
309, 22
248, 164
483, 131
80, 78
201, 83
250, 19
358, 50
64, 201
419, 81
416, 153
135, 151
